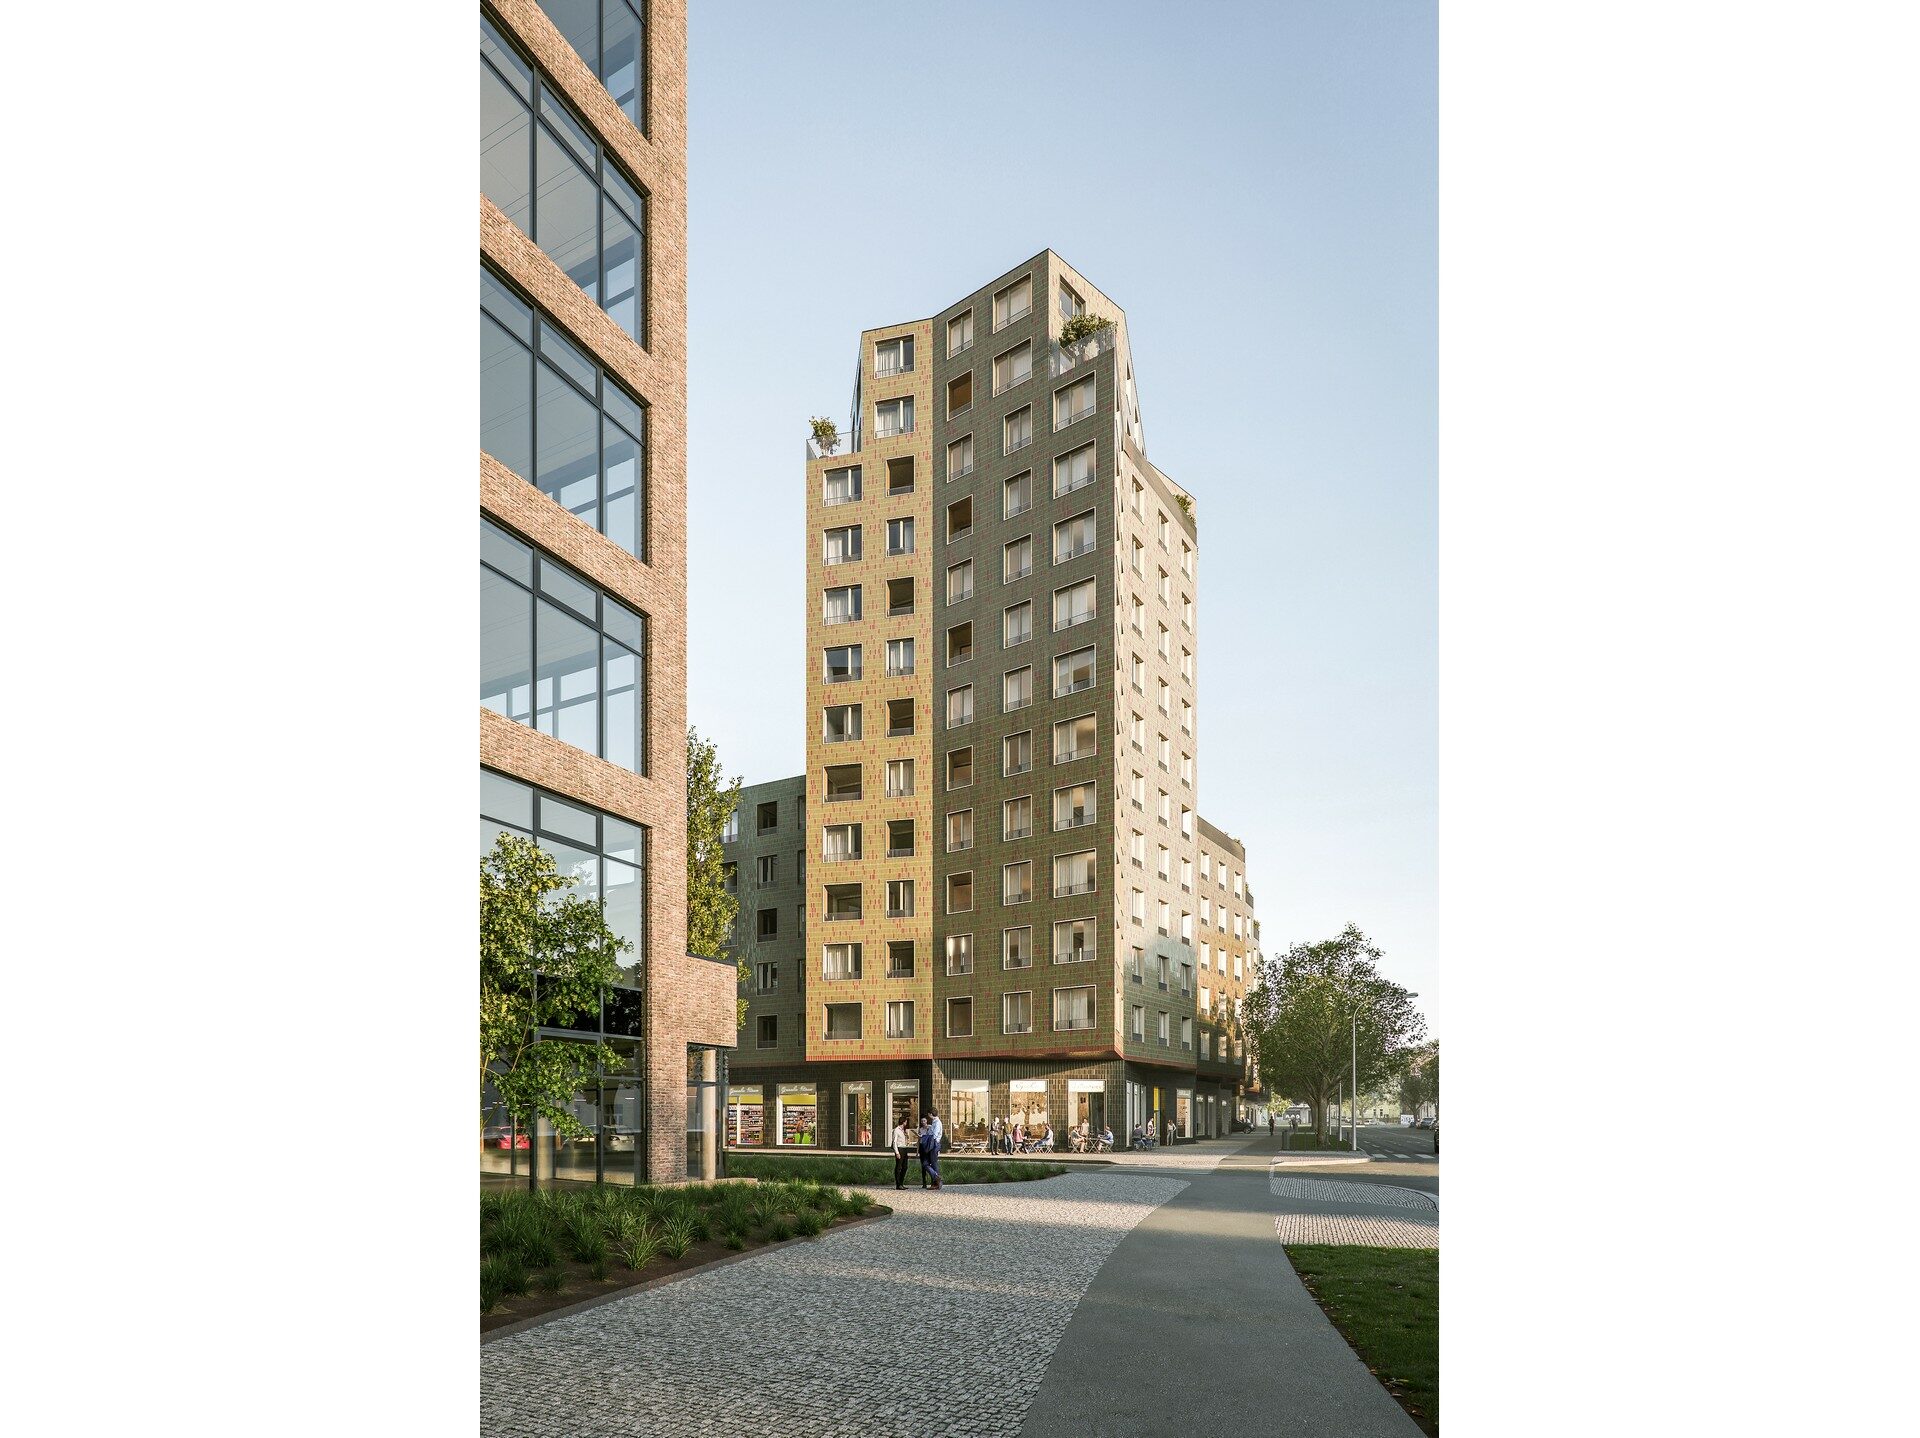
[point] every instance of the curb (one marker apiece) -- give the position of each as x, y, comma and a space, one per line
537, 1320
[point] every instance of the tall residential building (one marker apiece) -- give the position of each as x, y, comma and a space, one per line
583, 343
1001, 758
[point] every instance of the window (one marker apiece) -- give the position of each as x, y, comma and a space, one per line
900, 714
730, 833
1164, 1029
894, 356
959, 830
1016, 1013
1137, 906
559, 655
1073, 404
900, 474
766, 817
1138, 964
1137, 727
843, 545
1165, 865
1073, 874
1137, 791
1186, 664
1137, 848
959, 644
1016, 882
900, 536
900, 834
960, 767
608, 35
960, 582
841, 486
893, 416
843, 604
900, 596
1186, 882
842, 723
1016, 560
1166, 588
960, 333
1075, 738
960, 457
1075, 806
1016, 817
840, 843
900, 959
899, 898
1013, 367
767, 1035
767, 868
1186, 610
840, 961
959, 1018
843, 903
553, 180
1073, 605
1073, 471
1186, 560
1073, 537
899, 778
1139, 613
1166, 918
1139, 558
1017, 430
1186, 770
1166, 698
1163, 534
1016, 753
1073, 1008
1016, 496
1186, 1033
959, 401
1016, 689
899, 657
1165, 652
960, 893
843, 783
959, 519
559, 421
1016, 625
1070, 303
960, 706
843, 1021
602, 857
959, 954
1073, 941
1139, 1023
1016, 948
843, 664
1073, 672
1013, 303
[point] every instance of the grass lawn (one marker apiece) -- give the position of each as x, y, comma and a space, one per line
547, 1249
1386, 1304
822, 1168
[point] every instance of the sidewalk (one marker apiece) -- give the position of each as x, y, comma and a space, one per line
1194, 1299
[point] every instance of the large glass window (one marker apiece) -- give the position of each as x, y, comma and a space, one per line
600, 856
558, 420
552, 179
558, 654
611, 37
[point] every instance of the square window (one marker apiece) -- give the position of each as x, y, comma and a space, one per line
960, 893
900, 713
1016, 1013
1073, 1008
959, 830
1015, 302
767, 1035
900, 959
1016, 882
959, 399
1016, 948
1017, 430
1016, 560
959, 1018
1016, 495
1016, 626
960, 767
1016, 689
1016, 818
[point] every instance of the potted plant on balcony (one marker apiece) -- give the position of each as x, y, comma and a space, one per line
1082, 326
826, 435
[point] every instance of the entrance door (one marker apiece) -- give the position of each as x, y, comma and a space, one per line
903, 1103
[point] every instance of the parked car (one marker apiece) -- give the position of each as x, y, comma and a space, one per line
1424, 1123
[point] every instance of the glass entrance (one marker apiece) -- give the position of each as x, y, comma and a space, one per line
856, 1114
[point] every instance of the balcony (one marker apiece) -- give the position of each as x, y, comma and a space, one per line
954, 536
847, 442
844, 797
842, 916
897, 852
1058, 359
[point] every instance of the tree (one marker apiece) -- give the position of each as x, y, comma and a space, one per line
1421, 1085
711, 800
526, 932
1303, 1011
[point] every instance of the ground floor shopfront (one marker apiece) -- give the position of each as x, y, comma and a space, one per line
856, 1105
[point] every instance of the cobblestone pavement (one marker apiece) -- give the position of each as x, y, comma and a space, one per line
842, 1335
1202, 1157
1356, 1228
1329, 1190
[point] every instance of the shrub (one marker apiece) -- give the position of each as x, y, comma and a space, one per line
641, 1249
597, 1265
1080, 326
733, 1238
811, 1221
490, 1289
551, 1280
780, 1230
826, 434
858, 1202
506, 1272
585, 1237
676, 1236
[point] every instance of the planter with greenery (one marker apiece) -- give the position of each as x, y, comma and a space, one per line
826, 435
1082, 326
548, 1249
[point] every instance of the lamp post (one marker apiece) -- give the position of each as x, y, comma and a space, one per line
1356, 1083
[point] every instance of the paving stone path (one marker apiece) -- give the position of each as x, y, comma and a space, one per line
1329, 1190
1379, 1232
819, 1337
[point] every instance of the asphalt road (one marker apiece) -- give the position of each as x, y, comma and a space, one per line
1402, 1156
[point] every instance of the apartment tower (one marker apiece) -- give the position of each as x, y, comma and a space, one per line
1001, 762
583, 222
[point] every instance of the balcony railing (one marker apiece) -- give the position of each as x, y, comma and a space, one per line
1078, 820
961, 473
1017, 442
954, 536
842, 916
1017, 704
899, 853
1060, 491
1067, 756
1019, 573
844, 798
1058, 359
959, 596
1015, 513
833, 501
1064, 891
1071, 620
1015, 769
845, 443
1074, 956
1001, 384
1060, 691
1062, 556
1026, 833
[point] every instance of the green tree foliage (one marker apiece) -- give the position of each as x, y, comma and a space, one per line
1082, 325
711, 799
1420, 1084
1300, 1011
527, 927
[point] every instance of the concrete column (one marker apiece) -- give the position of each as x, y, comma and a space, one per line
710, 1116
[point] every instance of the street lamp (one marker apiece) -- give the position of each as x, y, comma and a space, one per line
1356, 1083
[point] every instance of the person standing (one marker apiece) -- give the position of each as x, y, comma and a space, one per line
1269, 1125
936, 1132
902, 1146
920, 1146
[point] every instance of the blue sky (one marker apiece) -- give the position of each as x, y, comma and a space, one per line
1256, 186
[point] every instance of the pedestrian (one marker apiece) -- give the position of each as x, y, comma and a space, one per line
993, 1136
902, 1146
930, 1135
920, 1146
1269, 1125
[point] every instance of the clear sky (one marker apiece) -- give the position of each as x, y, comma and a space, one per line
1255, 184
